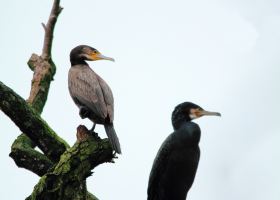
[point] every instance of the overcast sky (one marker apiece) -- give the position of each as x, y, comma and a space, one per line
222, 55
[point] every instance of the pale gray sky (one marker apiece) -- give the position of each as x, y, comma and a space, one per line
220, 54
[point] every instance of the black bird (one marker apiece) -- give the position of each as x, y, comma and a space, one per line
91, 93
175, 165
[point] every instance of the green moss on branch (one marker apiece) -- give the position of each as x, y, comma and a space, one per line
30, 123
25, 156
67, 180
44, 71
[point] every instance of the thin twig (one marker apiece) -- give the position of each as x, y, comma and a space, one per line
44, 26
49, 28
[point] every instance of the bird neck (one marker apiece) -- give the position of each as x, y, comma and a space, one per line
178, 121
77, 61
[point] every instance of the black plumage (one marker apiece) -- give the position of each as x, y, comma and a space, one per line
175, 165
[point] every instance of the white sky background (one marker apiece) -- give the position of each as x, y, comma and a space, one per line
222, 55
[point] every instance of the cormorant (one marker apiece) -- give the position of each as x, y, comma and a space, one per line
91, 93
175, 165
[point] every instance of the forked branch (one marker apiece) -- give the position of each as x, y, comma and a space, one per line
49, 28
30, 123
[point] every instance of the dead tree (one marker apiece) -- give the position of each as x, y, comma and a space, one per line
63, 169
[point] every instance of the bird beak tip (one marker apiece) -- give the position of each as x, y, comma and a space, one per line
209, 113
102, 57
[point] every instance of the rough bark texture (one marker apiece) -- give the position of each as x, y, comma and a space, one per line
44, 71
23, 153
29, 158
67, 179
63, 170
30, 123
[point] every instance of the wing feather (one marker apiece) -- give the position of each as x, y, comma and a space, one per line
108, 97
85, 88
160, 165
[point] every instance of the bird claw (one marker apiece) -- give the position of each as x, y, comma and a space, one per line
112, 160
113, 157
94, 134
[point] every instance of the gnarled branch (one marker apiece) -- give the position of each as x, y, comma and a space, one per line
44, 71
62, 177
67, 180
26, 157
30, 123
43, 66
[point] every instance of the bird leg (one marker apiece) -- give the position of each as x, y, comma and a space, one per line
85, 113
92, 131
93, 127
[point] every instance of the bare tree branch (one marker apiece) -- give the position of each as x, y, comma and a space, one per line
44, 26
49, 28
42, 77
43, 66
44, 71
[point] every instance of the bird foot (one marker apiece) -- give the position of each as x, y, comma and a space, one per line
114, 156
94, 134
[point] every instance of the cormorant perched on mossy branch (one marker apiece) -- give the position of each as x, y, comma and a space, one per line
175, 165
91, 93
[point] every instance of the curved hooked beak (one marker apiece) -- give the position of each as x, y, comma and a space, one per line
99, 56
209, 113
196, 113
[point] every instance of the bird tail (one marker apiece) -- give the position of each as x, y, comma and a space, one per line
113, 138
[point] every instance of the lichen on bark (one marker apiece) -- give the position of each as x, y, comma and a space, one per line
30, 123
30, 159
63, 170
67, 179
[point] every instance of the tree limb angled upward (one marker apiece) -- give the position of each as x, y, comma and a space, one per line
43, 66
30, 122
63, 170
44, 71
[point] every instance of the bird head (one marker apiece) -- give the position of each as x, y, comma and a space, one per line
188, 111
83, 52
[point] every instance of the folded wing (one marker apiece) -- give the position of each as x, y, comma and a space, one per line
86, 90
